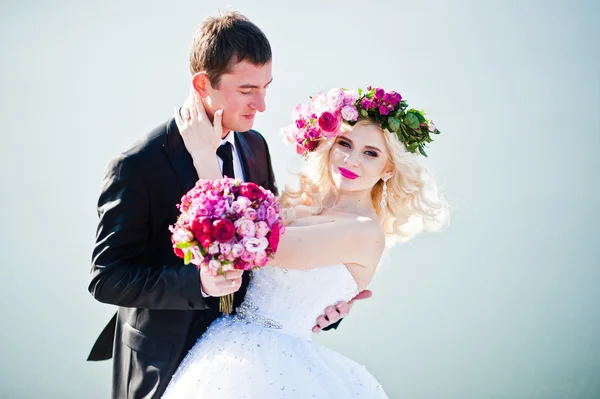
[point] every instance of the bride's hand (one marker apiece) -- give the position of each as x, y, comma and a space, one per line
199, 135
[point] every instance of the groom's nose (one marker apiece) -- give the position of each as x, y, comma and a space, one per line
258, 102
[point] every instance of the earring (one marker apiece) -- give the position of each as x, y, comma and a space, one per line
384, 194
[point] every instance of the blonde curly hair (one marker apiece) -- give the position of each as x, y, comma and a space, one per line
414, 202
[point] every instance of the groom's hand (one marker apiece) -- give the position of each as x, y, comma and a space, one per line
333, 314
221, 285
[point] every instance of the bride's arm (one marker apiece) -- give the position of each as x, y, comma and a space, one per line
200, 137
359, 241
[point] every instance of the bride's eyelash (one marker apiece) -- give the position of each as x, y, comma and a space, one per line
348, 145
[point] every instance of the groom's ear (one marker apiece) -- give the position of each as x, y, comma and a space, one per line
201, 84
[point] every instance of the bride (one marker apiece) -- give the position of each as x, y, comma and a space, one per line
360, 155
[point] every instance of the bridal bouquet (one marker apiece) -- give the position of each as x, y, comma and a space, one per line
227, 225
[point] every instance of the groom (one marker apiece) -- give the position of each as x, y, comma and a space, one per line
165, 306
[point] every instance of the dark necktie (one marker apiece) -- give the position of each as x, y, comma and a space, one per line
226, 154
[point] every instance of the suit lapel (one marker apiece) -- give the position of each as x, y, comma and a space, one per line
247, 158
180, 159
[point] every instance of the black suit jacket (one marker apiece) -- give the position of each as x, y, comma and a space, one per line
161, 310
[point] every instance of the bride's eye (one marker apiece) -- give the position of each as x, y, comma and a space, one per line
344, 144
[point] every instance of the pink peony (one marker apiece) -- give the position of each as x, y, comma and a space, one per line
250, 214
262, 229
261, 259
237, 250
335, 98
350, 113
255, 244
245, 227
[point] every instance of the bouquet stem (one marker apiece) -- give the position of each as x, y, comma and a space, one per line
226, 304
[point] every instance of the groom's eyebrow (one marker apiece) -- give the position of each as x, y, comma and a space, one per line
251, 86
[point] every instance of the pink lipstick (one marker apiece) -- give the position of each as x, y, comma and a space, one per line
348, 174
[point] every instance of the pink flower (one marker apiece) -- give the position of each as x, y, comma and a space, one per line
181, 234
237, 250
383, 110
213, 249
223, 230
196, 256
319, 102
262, 229
250, 214
225, 248
300, 123
261, 259
261, 212
379, 92
431, 127
288, 134
329, 123
350, 113
312, 133
248, 256
245, 227
350, 97
240, 204
272, 215
255, 244
300, 111
335, 98
366, 103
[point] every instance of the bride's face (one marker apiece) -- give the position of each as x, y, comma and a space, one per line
241, 94
358, 159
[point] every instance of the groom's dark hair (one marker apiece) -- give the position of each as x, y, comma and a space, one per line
221, 42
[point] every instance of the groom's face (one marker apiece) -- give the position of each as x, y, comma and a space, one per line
241, 94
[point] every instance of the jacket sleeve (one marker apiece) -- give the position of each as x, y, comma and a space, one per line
122, 236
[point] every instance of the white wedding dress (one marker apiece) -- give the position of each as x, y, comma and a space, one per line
266, 350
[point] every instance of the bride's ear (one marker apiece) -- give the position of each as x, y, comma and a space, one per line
201, 84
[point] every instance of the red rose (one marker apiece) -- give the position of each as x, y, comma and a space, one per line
251, 191
274, 237
177, 251
223, 230
205, 240
201, 226
239, 264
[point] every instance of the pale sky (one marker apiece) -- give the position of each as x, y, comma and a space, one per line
502, 304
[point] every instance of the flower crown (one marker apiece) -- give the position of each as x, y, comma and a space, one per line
323, 117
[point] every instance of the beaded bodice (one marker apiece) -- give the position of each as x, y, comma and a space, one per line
291, 299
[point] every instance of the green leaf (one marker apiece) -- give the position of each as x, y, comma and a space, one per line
412, 121
422, 151
364, 113
183, 245
394, 123
187, 258
359, 92
412, 147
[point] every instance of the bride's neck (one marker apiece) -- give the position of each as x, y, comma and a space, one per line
358, 203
